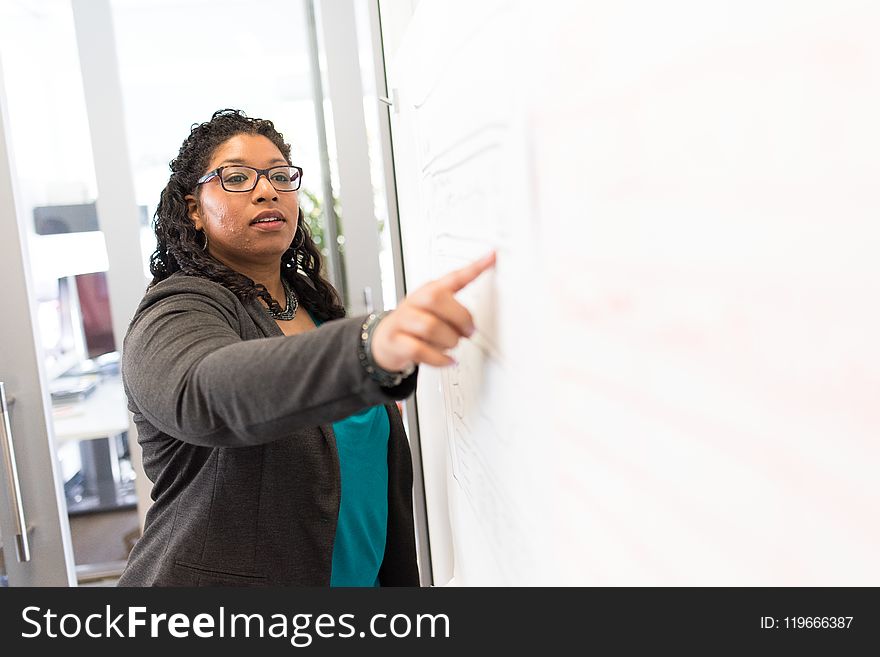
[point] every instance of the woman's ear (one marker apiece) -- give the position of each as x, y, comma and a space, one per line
192, 209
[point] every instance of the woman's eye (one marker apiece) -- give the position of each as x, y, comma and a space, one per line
236, 178
281, 177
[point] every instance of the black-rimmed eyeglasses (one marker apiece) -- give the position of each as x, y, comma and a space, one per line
240, 178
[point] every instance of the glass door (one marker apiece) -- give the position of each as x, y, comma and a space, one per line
69, 469
36, 541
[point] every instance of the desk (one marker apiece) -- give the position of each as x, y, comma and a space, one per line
95, 422
103, 413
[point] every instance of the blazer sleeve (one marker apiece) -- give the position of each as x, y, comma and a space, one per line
190, 374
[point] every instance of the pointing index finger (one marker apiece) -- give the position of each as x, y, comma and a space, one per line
456, 280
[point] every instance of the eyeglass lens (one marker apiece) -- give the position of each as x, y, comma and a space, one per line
244, 179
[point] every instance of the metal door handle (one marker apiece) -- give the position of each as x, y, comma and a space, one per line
22, 545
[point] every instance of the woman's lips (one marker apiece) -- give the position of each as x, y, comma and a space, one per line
269, 226
268, 220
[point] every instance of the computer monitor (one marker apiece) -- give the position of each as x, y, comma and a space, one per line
94, 304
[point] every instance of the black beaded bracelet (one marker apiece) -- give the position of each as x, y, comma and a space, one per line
383, 377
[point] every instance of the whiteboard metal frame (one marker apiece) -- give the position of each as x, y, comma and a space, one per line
411, 413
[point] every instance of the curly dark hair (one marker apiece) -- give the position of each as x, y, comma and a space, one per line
178, 244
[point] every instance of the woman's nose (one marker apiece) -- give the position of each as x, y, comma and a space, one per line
264, 188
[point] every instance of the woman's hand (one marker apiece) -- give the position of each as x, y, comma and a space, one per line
427, 322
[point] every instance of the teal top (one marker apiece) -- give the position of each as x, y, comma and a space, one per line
359, 547
362, 442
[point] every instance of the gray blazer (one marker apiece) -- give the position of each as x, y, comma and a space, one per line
234, 419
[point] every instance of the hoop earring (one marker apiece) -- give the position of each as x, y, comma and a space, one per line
205, 245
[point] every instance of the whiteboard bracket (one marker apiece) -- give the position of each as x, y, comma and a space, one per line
394, 101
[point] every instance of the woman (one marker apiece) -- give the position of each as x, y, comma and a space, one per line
276, 452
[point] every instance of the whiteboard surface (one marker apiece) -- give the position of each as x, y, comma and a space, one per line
676, 375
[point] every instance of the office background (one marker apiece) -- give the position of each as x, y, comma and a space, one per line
675, 374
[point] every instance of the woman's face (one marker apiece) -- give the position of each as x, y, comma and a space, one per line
228, 218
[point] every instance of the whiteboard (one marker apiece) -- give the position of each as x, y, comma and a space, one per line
676, 375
